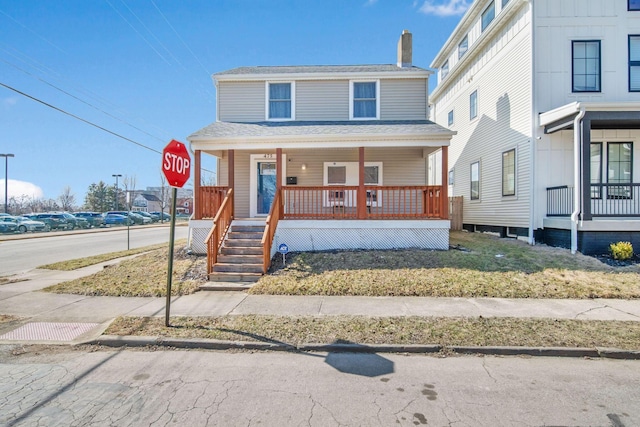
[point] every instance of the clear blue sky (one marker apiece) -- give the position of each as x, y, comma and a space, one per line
142, 69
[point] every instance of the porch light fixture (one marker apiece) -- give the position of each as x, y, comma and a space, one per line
304, 166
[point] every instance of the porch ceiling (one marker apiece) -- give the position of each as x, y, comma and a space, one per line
600, 115
320, 134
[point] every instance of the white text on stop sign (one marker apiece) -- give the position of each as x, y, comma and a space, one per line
175, 163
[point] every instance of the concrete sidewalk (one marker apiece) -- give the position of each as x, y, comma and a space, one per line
23, 299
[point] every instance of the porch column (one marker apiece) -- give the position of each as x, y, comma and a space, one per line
279, 180
444, 192
585, 130
362, 194
231, 171
196, 185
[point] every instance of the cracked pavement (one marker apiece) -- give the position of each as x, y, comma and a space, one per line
91, 386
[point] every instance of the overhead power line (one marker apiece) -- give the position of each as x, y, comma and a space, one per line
60, 110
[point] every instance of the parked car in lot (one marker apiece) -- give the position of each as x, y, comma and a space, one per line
152, 218
25, 224
140, 219
8, 227
133, 219
162, 215
111, 219
76, 222
55, 221
94, 219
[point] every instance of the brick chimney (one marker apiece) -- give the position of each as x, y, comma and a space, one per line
404, 50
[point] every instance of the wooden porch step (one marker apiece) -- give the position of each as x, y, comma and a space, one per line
221, 267
243, 243
250, 235
247, 228
234, 277
241, 250
240, 259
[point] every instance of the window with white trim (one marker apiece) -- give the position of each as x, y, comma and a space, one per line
444, 70
488, 15
463, 46
475, 181
504, 3
280, 100
473, 105
450, 118
634, 63
364, 100
348, 174
509, 173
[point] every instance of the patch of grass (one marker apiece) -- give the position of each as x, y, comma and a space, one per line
74, 264
391, 330
5, 318
482, 266
142, 276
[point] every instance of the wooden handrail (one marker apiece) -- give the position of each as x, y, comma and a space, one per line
221, 224
270, 230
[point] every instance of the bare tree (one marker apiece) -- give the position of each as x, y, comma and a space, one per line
67, 199
129, 185
208, 179
165, 195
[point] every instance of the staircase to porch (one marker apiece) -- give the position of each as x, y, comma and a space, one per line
241, 258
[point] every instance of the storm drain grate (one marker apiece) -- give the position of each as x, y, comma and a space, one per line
46, 331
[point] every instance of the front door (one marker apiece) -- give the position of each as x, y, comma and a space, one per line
266, 186
263, 183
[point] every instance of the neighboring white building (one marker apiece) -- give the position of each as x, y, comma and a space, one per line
545, 98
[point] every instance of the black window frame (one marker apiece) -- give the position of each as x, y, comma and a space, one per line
573, 72
596, 193
626, 192
504, 194
635, 8
632, 63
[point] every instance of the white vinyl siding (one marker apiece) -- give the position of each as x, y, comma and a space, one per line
322, 100
241, 101
403, 99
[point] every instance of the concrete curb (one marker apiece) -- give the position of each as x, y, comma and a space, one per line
209, 344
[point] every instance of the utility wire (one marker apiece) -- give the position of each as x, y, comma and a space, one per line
84, 120
31, 31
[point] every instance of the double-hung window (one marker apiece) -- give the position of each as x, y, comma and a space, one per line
633, 5
450, 118
473, 105
463, 46
634, 63
596, 170
475, 181
280, 101
586, 66
365, 101
488, 15
509, 173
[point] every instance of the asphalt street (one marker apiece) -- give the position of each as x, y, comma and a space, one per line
30, 251
204, 388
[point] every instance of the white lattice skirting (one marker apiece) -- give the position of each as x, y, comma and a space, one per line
301, 236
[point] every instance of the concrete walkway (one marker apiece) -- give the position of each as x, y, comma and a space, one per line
24, 299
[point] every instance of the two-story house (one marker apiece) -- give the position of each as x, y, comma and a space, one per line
545, 98
320, 157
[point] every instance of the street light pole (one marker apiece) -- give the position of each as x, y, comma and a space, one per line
116, 177
6, 181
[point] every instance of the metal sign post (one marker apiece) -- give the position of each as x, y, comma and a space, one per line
172, 234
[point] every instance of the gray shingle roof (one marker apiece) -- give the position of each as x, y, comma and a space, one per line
301, 69
316, 128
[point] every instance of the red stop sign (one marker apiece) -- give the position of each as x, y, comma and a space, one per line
176, 163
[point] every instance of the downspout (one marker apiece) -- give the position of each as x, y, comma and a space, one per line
533, 139
577, 139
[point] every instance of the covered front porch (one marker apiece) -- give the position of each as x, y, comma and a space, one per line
600, 203
329, 193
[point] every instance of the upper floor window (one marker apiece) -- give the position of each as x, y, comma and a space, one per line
586, 66
504, 3
463, 47
473, 105
365, 102
633, 5
450, 118
475, 181
488, 15
444, 70
280, 101
634, 63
